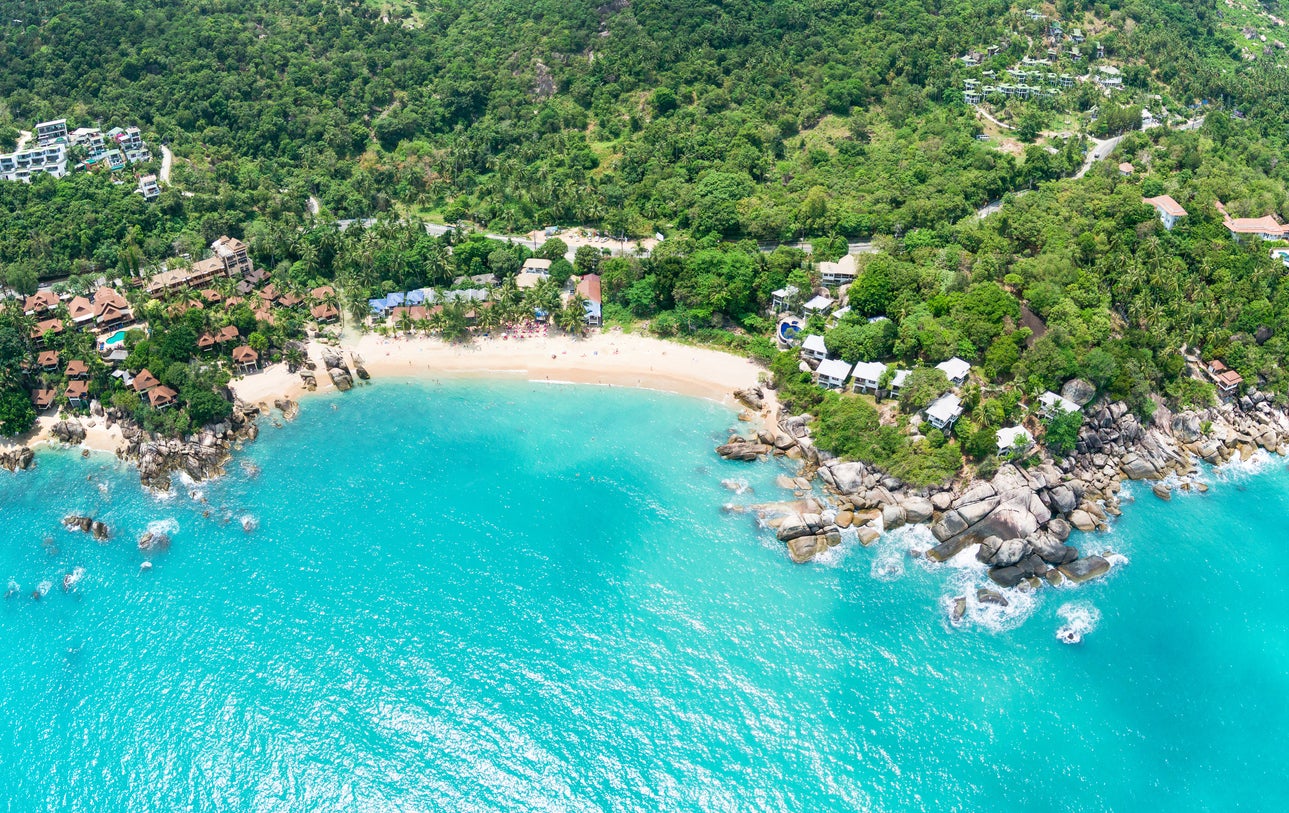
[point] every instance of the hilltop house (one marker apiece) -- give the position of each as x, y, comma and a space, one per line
897, 381
148, 187
161, 397
842, 272
1013, 438
23, 165
51, 132
944, 411
1169, 210
1228, 381
820, 304
1051, 405
1265, 227
781, 300
832, 373
955, 369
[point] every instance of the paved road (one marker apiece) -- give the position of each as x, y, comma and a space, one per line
1100, 151
23, 138
167, 161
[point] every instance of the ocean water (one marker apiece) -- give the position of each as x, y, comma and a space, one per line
516, 597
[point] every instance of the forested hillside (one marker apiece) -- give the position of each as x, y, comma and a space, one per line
769, 120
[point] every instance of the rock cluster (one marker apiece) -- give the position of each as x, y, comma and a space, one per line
1020, 519
16, 458
200, 455
95, 528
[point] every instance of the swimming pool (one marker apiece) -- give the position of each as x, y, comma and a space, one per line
116, 338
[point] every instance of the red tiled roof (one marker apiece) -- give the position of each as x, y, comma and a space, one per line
245, 354
77, 367
48, 358
43, 398
161, 395
1166, 204
589, 287
77, 390
145, 381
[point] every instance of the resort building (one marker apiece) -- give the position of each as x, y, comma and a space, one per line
812, 347
23, 165
246, 359
111, 309
43, 399
1228, 381
47, 360
944, 411
832, 373
588, 287
1051, 405
91, 138
841, 272
48, 326
77, 369
148, 187
81, 311
1169, 210
145, 381
40, 302
1281, 254
161, 397
1265, 227
819, 304
325, 312
781, 300
955, 369
51, 132
230, 258
897, 381
1014, 438
78, 393
867, 374
1126, 169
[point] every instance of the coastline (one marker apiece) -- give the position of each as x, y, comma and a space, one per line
606, 358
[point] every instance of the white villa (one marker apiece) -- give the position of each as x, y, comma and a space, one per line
867, 374
1013, 437
832, 373
944, 411
955, 369
23, 165
897, 381
1051, 404
813, 347
1169, 210
819, 304
842, 272
781, 299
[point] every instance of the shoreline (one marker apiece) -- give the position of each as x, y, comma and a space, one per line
612, 359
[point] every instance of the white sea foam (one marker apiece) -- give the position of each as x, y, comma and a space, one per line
1080, 617
1237, 470
44, 587
249, 523
168, 526
835, 556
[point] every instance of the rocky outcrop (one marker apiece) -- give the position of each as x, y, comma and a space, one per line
95, 528
200, 455
753, 398
16, 458
1079, 391
340, 378
69, 432
289, 409
738, 448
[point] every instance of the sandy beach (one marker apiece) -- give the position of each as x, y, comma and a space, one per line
612, 359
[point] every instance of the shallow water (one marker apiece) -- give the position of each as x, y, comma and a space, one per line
505, 596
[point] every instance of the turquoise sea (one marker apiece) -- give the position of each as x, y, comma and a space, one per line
516, 597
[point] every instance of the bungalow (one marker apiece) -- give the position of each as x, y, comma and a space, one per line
1013, 438
48, 360
246, 358
148, 187
955, 369
842, 272
1126, 169
944, 411
867, 374
1265, 227
781, 300
125, 377
212, 296
81, 311
43, 399
536, 265
1228, 381
270, 292
813, 347
54, 326
77, 368
322, 292
832, 373
227, 333
40, 302
78, 393
205, 341
161, 396
325, 312
897, 381
1051, 405
820, 304
289, 300
1169, 210
145, 381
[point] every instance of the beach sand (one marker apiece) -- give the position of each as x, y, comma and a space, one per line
612, 359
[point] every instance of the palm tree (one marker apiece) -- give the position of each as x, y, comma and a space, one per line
294, 357
405, 323
572, 317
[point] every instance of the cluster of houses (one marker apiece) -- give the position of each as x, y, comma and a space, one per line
106, 309
115, 149
1265, 227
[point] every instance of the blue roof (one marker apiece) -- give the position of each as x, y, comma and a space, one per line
414, 297
377, 304
395, 299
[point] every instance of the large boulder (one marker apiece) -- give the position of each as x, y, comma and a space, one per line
917, 509
1136, 467
742, 450
1010, 552
804, 548
752, 397
1063, 499
1081, 570
949, 526
848, 477
70, 432
1078, 390
792, 527
1186, 427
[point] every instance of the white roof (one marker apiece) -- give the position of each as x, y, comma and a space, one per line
784, 293
1014, 436
945, 408
814, 342
818, 303
834, 368
845, 266
1049, 398
536, 264
840, 312
955, 368
898, 379
869, 370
